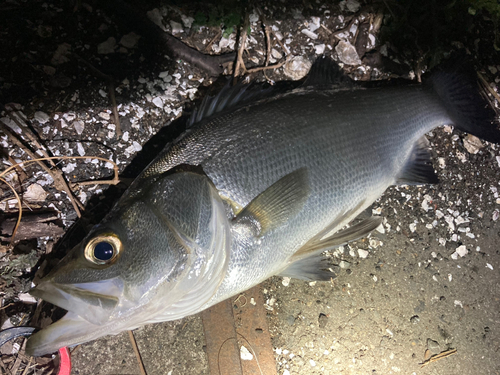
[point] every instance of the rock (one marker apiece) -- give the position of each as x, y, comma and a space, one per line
322, 320
35, 193
187, 21
362, 253
347, 53
176, 27
310, 34
319, 49
297, 68
41, 117
130, 40
472, 144
245, 354
107, 47
79, 126
433, 346
344, 264
60, 56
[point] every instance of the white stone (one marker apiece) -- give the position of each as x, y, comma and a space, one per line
80, 149
35, 193
362, 253
309, 34
347, 53
245, 354
79, 126
137, 146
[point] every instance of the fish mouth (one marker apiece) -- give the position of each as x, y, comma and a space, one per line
90, 312
93, 302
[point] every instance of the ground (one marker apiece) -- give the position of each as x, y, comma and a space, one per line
430, 281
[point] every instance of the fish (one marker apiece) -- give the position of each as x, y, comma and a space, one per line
262, 183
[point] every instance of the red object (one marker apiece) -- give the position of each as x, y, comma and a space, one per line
65, 366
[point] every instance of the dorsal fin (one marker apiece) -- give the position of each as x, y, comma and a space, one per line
229, 97
326, 73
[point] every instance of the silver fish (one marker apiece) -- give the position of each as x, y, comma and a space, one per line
254, 188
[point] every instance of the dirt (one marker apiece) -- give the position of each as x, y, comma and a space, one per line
430, 282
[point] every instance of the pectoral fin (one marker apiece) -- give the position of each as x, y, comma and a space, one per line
277, 204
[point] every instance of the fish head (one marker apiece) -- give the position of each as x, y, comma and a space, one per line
158, 255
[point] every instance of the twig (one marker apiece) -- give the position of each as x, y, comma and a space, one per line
136, 351
239, 60
488, 87
258, 69
59, 181
284, 47
27, 367
20, 214
439, 356
114, 181
28, 134
209, 45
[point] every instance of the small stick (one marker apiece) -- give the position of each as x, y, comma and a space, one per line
284, 47
258, 69
485, 83
439, 356
209, 45
239, 60
37, 160
59, 181
20, 214
136, 351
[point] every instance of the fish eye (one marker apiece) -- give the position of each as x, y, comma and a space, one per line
103, 249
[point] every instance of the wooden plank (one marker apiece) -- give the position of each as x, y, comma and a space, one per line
220, 336
229, 325
253, 332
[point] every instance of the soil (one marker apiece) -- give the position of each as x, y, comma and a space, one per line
430, 282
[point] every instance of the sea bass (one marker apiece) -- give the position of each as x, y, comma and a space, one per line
256, 187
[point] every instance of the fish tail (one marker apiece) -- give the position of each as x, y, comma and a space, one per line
465, 101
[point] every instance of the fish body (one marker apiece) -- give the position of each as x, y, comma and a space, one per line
258, 189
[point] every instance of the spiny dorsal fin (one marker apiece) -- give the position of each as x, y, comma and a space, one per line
229, 97
277, 204
326, 73
418, 169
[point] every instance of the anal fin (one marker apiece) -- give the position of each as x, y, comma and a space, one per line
314, 268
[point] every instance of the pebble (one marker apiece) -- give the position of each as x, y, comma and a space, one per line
80, 149
344, 264
187, 21
176, 27
245, 354
285, 281
472, 144
319, 49
130, 40
414, 319
157, 101
79, 126
433, 346
347, 53
137, 146
362, 253
41, 117
309, 34
35, 193
107, 47
297, 68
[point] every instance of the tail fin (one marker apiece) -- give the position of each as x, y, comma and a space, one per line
458, 88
